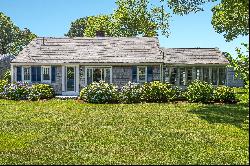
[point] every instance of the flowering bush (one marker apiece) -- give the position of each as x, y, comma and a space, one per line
100, 92
43, 91
158, 92
224, 94
199, 91
22, 91
131, 93
17, 91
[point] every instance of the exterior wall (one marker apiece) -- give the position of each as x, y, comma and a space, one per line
5, 64
58, 84
232, 80
121, 75
82, 77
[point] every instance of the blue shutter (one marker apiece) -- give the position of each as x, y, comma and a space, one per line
53, 73
134, 73
38, 74
149, 74
19, 73
33, 74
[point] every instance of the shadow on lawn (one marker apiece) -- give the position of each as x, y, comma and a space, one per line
233, 114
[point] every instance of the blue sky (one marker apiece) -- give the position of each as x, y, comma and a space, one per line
53, 18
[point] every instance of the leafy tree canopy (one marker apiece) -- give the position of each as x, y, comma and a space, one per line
12, 38
231, 17
241, 62
131, 18
77, 28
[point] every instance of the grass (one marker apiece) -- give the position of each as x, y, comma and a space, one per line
70, 132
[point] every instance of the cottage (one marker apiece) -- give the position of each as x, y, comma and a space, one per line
69, 64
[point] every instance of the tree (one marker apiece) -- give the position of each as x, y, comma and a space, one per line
77, 28
131, 18
100, 23
241, 62
12, 39
230, 17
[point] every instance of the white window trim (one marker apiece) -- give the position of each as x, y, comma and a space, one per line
46, 81
98, 67
146, 73
23, 67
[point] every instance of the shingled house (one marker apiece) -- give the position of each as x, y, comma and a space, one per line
69, 64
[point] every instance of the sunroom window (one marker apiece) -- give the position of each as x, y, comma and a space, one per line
189, 75
214, 76
206, 74
182, 76
222, 76
198, 73
173, 76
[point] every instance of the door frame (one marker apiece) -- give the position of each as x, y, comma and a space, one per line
76, 81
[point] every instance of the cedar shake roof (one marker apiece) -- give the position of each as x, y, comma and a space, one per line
91, 50
194, 56
114, 50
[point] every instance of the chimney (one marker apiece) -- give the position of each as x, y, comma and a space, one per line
100, 34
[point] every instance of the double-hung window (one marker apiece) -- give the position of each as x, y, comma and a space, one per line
46, 74
26, 74
142, 74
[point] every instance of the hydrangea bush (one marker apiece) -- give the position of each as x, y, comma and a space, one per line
131, 93
224, 94
159, 92
99, 93
199, 91
16, 91
44, 91
24, 91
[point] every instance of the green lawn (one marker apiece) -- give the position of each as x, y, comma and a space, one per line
70, 132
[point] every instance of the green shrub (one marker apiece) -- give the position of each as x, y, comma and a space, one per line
224, 94
242, 94
7, 76
41, 91
199, 91
3, 84
131, 93
158, 92
100, 92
